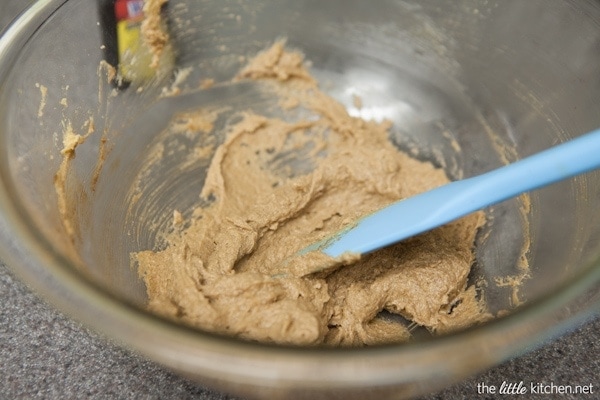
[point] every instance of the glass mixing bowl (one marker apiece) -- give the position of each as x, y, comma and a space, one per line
498, 80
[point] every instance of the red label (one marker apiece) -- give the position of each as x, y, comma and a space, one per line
129, 9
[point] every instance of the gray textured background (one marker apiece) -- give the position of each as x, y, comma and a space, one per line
45, 355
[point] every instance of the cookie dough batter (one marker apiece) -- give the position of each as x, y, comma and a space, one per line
153, 32
276, 185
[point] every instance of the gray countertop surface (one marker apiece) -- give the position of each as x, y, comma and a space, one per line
46, 355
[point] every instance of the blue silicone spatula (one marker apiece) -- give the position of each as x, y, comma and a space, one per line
446, 203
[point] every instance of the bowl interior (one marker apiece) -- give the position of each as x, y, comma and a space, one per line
468, 86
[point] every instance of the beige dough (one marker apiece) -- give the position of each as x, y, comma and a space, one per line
153, 32
274, 187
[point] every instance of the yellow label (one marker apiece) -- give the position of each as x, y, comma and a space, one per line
134, 56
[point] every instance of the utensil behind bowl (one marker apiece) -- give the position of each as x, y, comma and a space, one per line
469, 86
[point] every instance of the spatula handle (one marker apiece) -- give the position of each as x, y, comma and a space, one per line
439, 206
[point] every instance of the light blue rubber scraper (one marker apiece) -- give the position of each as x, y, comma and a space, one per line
444, 204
